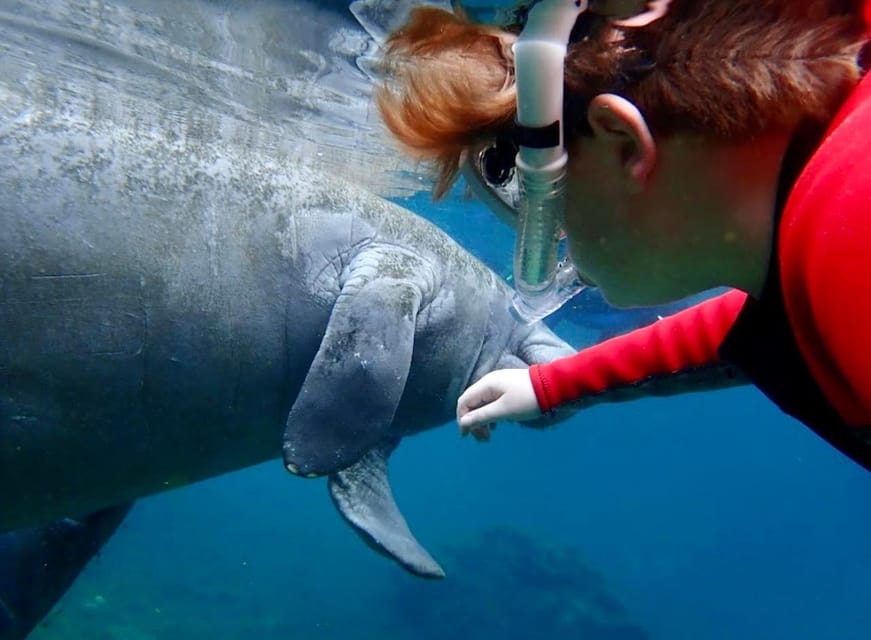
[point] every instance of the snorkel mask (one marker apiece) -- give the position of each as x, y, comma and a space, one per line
544, 276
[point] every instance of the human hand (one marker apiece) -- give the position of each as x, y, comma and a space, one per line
506, 394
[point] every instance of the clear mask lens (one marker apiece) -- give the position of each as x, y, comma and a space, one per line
491, 175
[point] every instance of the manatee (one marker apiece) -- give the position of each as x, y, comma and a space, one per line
174, 308
176, 304
189, 287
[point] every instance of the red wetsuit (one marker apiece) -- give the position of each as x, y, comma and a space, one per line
806, 342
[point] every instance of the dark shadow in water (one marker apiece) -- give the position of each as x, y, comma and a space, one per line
509, 585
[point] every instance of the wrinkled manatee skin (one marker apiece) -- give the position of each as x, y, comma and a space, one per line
163, 297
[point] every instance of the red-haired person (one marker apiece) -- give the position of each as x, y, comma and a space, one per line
723, 143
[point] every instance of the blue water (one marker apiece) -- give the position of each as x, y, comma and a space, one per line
704, 516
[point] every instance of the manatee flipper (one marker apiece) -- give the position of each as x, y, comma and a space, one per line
347, 401
362, 495
39, 564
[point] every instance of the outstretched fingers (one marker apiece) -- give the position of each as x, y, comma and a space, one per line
506, 394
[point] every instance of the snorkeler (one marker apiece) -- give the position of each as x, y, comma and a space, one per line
692, 146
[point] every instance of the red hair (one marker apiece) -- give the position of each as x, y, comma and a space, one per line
725, 69
451, 84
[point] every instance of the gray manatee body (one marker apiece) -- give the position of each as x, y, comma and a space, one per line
174, 307
160, 301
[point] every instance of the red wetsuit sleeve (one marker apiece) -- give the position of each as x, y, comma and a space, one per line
683, 341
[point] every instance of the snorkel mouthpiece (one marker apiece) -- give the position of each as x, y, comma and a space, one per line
543, 281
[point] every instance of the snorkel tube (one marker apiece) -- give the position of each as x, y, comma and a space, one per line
543, 281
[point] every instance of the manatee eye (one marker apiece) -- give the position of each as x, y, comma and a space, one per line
497, 161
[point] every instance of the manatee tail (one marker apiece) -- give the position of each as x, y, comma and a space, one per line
39, 564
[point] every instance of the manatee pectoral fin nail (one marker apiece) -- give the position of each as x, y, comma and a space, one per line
363, 496
350, 394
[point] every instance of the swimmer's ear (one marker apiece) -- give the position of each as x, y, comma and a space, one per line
617, 122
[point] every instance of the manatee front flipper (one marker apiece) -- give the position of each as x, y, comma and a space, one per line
38, 565
347, 401
362, 495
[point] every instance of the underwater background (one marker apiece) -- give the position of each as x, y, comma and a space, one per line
706, 516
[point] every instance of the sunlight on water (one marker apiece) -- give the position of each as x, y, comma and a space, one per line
263, 74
